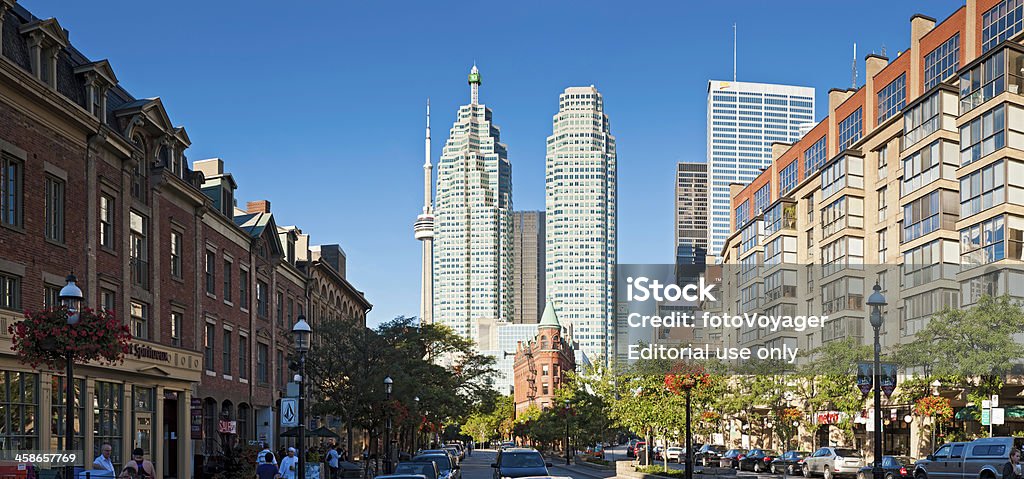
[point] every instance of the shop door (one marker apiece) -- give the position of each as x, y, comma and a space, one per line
170, 443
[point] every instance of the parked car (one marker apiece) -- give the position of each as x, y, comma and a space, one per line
790, 463
507, 445
445, 464
458, 448
757, 460
596, 450
731, 458
451, 455
427, 469
400, 476
830, 462
894, 467
709, 454
454, 451
980, 458
519, 462
675, 454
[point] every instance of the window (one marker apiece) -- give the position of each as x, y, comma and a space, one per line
985, 188
883, 204
782, 249
139, 180
291, 308
882, 246
780, 284
544, 369
108, 404
883, 162
12, 203
51, 296
140, 320
787, 178
892, 98
815, 156
243, 356
922, 120
751, 235
54, 209
845, 293
847, 171
242, 425
761, 198
139, 253
144, 402
918, 309
228, 285
175, 254
261, 299
843, 253
924, 215
930, 262
984, 81
742, 213
779, 217
211, 270
983, 136
19, 396
108, 299
279, 307
176, 328
211, 332
927, 165
57, 417
984, 243
1001, 22
850, 129
262, 371
942, 62
10, 292
845, 212
107, 221
281, 369
243, 288
227, 352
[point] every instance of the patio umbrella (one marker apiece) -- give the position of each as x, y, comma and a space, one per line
323, 431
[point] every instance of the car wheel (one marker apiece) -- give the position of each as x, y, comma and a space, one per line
889, 476
757, 467
790, 470
807, 470
827, 473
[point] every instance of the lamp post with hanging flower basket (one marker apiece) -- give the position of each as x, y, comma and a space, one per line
65, 334
685, 382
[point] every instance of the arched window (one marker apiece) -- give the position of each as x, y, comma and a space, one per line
227, 410
243, 423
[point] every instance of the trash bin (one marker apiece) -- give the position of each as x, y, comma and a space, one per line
349, 470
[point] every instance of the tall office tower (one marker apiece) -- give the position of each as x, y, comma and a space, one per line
581, 239
473, 223
744, 119
691, 220
528, 272
423, 230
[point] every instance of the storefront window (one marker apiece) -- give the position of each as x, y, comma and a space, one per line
108, 407
57, 424
143, 405
19, 396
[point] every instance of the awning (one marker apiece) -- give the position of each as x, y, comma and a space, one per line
967, 413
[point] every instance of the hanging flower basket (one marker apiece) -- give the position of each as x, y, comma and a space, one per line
791, 414
45, 338
710, 416
936, 407
676, 382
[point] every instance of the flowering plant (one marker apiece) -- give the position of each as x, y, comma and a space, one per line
710, 416
45, 337
676, 383
791, 414
937, 407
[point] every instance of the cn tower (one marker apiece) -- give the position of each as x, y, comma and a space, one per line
423, 229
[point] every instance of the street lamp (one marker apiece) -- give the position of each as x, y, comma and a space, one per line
876, 301
688, 383
302, 332
71, 299
416, 433
388, 382
567, 456
936, 384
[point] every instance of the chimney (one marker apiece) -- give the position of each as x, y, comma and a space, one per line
260, 206
210, 168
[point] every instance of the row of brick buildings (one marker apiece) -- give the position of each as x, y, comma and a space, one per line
95, 181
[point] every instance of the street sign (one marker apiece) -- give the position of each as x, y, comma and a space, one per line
289, 412
995, 400
986, 417
998, 416
986, 404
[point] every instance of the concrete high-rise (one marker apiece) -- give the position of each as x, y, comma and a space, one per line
581, 228
528, 273
423, 230
473, 223
691, 218
743, 120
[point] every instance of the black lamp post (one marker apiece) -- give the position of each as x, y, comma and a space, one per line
71, 299
302, 332
688, 383
568, 453
416, 433
388, 382
876, 301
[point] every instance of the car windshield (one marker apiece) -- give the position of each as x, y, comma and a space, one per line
425, 469
444, 463
902, 460
524, 459
716, 448
847, 453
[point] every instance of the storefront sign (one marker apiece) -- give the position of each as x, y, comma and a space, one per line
197, 418
827, 417
227, 427
140, 351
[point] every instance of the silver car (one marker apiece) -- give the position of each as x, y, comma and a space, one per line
830, 462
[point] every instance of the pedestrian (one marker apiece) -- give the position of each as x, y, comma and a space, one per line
1012, 468
332, 461
263, 455
143, 468
469, 449
289, 468
267, 468
103, 461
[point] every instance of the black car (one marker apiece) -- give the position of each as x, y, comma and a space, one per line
790, 463
519, 462
709, 454
894, 467
731, 458
447, 467
757, 460
428, 470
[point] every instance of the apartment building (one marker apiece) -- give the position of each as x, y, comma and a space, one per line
912, 181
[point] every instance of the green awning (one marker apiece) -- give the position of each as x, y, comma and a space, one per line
1015, 412
968, 413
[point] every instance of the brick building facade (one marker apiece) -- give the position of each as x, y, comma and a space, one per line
540, 365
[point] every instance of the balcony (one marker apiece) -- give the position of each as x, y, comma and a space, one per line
139, 272
990, 77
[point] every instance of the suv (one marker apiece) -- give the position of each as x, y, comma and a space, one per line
830, 462
978, 459
520, 462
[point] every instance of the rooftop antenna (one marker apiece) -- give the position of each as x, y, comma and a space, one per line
883, 50
734, 52
853, 65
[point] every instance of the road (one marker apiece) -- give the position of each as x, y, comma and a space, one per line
479, 467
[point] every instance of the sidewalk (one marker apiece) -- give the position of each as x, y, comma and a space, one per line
577, 469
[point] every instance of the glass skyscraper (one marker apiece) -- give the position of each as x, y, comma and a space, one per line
744, 119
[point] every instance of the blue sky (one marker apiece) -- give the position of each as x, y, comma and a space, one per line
318, 105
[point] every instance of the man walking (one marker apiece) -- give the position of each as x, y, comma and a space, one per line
332, 460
